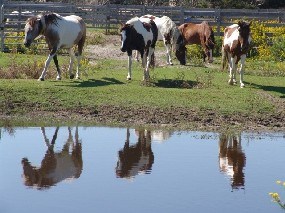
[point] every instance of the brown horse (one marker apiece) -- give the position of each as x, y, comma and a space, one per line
201, 34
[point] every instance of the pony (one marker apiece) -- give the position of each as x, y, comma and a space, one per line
169, 33
201, 34
59, 32
140, 35
235, 46
136, 158
56, 166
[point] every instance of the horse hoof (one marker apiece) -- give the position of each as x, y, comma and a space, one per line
41, 79
231, 82
77, 78
128, 78
58, 79
71, 76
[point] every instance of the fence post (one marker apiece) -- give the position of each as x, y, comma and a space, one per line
106, 13
218, 20
143, 10
182, 16
2, 27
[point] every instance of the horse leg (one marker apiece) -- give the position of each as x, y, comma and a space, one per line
129, 77
242, 63
232, 63
78, 56
47, 62
58, 77
148, 60
210, 58
137, 55
78, 66
71, 61
168, 54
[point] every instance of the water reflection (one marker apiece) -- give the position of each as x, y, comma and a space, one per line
232, 159
56, 166
137, 158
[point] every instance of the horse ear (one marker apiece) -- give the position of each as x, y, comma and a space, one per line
239, 23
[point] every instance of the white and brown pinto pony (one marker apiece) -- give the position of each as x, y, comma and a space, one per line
169, 33
235, 47
201, 34
59, 32
140, 35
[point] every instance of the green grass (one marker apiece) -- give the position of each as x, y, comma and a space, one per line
195, 87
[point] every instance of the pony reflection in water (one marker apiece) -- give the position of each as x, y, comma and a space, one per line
55, 166
138, 158
232, 159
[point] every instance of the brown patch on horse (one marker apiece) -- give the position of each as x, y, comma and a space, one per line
167, 38
147, 26
51, 19
52, 38
150, 17
229, 31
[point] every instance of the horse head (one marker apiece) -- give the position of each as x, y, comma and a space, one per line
180, 49
125, 36
244, 32
33, 29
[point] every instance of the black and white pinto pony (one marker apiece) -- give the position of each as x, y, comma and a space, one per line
169, 33
235, 47
59, 32
141, 35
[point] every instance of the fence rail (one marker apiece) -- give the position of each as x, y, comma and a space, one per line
108, 17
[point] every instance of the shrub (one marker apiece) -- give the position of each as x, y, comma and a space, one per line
278, 48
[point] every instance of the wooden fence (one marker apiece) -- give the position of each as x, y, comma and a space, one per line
108, 17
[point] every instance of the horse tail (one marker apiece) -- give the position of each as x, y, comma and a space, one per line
83, 38
224, 58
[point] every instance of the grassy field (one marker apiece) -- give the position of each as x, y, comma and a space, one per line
193, 87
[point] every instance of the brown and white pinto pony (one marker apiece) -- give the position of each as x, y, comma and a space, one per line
59, 32
201, 34
169, 33
56, 166
140, 35
235, 47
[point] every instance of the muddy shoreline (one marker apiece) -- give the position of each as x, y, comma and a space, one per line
153, 118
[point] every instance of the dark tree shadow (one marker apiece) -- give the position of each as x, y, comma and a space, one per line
172, 83
277, 89
95, 83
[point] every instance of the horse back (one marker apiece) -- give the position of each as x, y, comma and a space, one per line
191, 33
71, 30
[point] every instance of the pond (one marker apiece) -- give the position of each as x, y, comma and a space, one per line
104, 169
